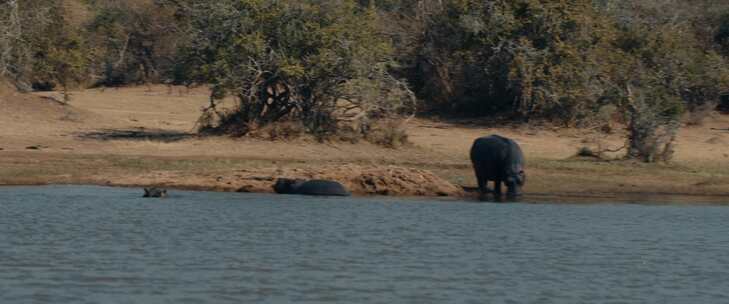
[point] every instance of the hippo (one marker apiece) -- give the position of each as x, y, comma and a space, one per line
498, 159
155, 192
310, 187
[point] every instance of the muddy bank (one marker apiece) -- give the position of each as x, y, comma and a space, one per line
360, 180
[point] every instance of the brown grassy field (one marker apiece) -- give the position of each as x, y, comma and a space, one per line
146, 136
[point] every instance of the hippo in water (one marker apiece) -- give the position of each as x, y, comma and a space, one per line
499, 159
155, 192
310, 187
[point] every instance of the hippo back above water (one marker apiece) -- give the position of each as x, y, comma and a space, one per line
310, 187
499, 159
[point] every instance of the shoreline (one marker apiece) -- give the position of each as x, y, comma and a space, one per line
570, 181
628, 198
104, 138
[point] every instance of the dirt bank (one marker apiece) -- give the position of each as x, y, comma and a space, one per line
145, 136
360, 180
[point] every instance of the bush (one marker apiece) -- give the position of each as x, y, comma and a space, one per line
388, 133
39, 47
303, 61
133, 41
698, 115
653, 125
530, 59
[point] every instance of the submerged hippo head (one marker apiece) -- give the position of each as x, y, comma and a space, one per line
155, 192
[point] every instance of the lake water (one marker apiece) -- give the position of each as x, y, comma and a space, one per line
69, 244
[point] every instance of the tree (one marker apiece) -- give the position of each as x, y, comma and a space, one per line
315, 62
671, 70
525, 58
10, 32
19, 22
39, 49
134, 41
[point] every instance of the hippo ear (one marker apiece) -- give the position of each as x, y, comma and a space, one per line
146, 191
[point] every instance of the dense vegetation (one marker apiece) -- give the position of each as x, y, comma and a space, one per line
333, 67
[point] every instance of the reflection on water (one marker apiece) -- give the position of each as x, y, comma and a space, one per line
105, 245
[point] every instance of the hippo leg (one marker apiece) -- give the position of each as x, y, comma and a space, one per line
497, 188
513, 191
482, 185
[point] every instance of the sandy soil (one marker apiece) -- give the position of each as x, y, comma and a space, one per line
146, 136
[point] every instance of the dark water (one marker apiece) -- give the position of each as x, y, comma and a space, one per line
102, 245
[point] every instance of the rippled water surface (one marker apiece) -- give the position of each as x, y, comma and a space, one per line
106, 245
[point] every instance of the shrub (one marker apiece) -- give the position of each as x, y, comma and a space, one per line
307, 61
388, 133
39, 47
133, 41
653, 125
698, 115
530, 59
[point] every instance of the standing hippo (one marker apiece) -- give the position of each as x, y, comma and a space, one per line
311, 187
498, 159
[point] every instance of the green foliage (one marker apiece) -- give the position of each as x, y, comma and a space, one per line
39, 47
671, 71
133, 41
293, 60
331, 66
388, 133
529, 58
722, 34
64, 62
560, 60
10, 39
